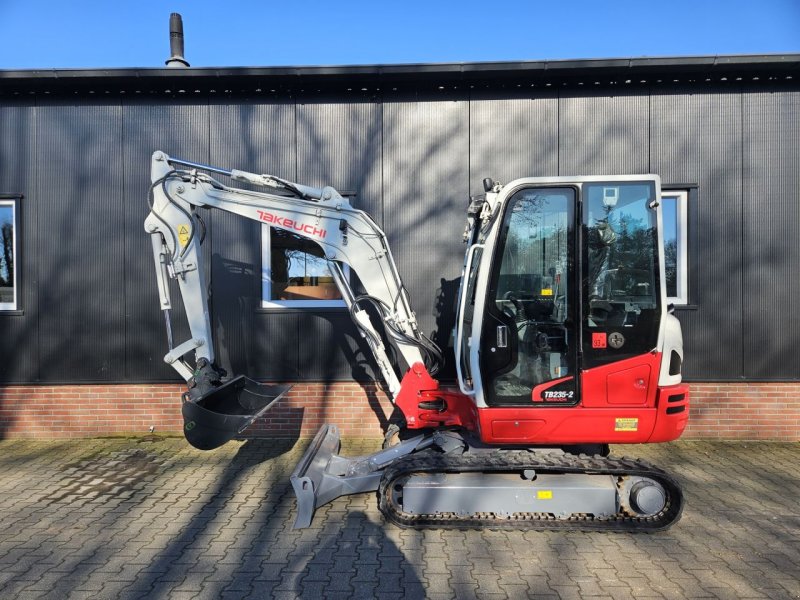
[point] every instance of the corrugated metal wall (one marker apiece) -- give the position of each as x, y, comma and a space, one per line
512, 134
80, 259
19, 333
146, 127
697, 138
425, 195
89, 305
771, 234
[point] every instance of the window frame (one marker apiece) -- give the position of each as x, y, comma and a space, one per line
266, 280
13, 200
682, 238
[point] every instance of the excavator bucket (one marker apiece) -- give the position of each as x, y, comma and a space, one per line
227, 410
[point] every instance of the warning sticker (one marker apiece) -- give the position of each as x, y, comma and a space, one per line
544, 494
626, 425
183, 234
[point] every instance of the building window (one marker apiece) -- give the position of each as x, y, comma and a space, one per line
9, 228
295, 273
674, 210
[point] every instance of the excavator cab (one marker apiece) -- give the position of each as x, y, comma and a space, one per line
563, 307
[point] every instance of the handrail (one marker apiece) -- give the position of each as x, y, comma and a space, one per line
468, 391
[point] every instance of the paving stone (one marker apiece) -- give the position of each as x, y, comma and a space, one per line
218, 525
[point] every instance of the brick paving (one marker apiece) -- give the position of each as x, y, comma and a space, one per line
153, 518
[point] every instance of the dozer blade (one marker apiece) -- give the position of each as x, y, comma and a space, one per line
221, 414
308, 474
322, 475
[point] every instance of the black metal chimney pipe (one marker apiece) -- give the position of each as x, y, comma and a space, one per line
176, 42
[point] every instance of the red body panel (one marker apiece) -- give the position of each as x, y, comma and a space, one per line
621, 404
673, 413
418, 386
630, 382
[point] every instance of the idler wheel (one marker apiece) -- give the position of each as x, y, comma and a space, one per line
647, 498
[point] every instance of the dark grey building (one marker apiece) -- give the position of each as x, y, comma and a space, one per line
413, 142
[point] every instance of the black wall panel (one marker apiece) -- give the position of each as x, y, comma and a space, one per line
697, 138
511, 138
771, 234
603, 134
260, 138
330, 348
274, 350
180, 130
426, 192
82, 271
19, 332
339, 144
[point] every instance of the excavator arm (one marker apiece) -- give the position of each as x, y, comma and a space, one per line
346, 235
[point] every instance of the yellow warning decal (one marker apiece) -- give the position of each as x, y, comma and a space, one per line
546, 292
626, 425
544, 494
183, 234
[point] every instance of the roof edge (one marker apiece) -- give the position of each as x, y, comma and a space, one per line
553, 67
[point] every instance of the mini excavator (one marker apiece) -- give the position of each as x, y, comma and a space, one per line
564, 344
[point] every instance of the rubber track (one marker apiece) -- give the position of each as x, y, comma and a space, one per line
516, 461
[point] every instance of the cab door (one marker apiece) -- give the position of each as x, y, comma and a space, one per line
529, 339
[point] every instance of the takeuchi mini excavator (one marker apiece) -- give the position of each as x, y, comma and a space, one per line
564, 344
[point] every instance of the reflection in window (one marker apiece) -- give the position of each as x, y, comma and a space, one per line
622, 257
295, 272
8, 254
673, 210
532, 300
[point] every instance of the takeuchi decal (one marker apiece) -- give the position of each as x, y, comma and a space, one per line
292, 224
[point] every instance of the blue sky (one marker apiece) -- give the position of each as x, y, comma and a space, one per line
91, 34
